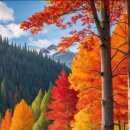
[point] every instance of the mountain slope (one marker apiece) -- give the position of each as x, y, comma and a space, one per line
23, 73
64, 57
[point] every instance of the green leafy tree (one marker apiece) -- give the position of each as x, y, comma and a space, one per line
42, 123
39, 124
36, 105
46, 99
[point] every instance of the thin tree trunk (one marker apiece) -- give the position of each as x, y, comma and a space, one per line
103, 27
124, 125
119, 125
128, 11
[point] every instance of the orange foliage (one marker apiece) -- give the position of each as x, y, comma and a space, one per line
86, 79
23, 118
6, 121
119, 40
86, 75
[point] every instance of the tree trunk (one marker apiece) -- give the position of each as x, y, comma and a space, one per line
128, 90
119, 125
107, 94
103, 28
124, 125
107, 90
128, 11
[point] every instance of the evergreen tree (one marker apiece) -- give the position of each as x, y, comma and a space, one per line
0, 118
3, 96
0, 39
16, 95
25, 69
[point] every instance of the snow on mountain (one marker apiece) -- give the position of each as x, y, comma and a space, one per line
66, 57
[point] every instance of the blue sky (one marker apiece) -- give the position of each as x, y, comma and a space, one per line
12, 13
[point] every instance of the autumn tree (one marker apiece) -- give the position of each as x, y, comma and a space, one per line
119, 63
23, 118
87, 12
88, 83
126, 53
63, 104
6, 121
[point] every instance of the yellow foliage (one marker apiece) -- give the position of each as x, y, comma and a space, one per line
85, 61
23, 118
81, 121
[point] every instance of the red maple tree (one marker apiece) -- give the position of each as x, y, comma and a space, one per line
63, 105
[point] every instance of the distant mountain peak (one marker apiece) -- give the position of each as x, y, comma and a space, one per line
52, 47
44, 50
57, 55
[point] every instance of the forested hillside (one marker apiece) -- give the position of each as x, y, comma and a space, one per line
23, 73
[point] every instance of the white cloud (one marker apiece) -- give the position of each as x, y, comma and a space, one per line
43, 43
6, 13
12, 31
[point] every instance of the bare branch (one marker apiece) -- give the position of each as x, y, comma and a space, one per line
122, 45
119, 35
88, 88
100, 73
119, 103
82, 5
114, 55
118, 50
119, 93
119, 75
118, 64
124, 53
